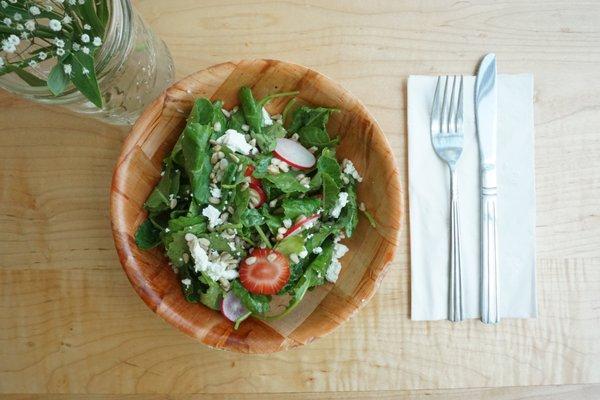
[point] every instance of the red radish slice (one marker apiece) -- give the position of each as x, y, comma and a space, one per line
260, 193
294, 153
232, 307
300, 225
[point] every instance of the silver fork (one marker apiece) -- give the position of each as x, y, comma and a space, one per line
447, 139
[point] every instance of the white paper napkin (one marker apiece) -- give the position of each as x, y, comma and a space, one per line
429, 199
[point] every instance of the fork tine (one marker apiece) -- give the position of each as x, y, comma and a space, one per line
459, 107
445, 109
436, 110
452, 108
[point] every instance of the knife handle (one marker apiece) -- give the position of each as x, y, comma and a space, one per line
489, 257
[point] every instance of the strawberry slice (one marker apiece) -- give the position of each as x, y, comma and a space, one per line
300, 225
259, 198
265, 271
253, 181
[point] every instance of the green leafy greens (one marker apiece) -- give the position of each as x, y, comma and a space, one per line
214, 203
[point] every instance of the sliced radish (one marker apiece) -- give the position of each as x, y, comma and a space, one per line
232, 307
300, 225
294, 153
260, 195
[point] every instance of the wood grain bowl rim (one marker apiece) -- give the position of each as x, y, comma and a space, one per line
142, 286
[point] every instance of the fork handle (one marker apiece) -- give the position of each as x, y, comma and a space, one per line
489, 257
455, 300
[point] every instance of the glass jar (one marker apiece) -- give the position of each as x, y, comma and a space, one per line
133, 67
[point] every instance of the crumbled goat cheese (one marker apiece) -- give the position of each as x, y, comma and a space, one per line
317, 250
333, 271
334, 268
187, 282
348, 168
341, 203
213, 215
266, 118
303, 253
235, 141
217, 126
215, 192
339, 250
214, 269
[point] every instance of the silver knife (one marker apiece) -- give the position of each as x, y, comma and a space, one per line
486, 116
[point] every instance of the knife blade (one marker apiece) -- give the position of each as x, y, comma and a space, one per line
486, 115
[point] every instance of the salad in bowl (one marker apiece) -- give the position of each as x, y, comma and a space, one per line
251, 207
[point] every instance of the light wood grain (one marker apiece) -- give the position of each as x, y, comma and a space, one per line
60, 277
565, 392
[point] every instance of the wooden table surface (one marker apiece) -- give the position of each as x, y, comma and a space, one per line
71, 324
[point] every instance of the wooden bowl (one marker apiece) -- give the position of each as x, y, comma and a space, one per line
371, 249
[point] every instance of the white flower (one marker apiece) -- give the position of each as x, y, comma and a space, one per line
67, 68
20, 27
81, 1
55, 25
17, 17
42, 55
67, 19
34, 10
30, 25
1, 62
24, 35
8, 46
97, 41
85, 38
85, 50
76, 46
7, 21
12, 1
4, 4
14, 39
59, 42
32, 63
60, 51
86, 71
87, 27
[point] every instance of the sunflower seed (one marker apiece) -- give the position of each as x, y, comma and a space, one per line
224, 284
